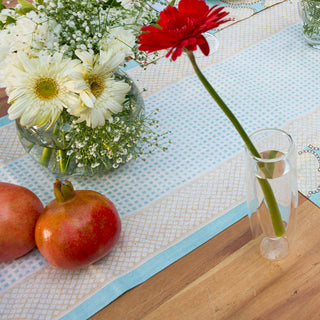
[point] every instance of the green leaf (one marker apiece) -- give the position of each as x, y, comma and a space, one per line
10, 20
112, 3
26, 4
26, 7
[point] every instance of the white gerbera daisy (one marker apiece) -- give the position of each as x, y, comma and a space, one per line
100, 93
39, 90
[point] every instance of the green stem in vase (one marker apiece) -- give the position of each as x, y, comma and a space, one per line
62, 160
60, 154
45, 156
47, 152
265, 186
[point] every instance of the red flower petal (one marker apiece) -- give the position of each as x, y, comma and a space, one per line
203, 45
182, 27
167, 15
193, 7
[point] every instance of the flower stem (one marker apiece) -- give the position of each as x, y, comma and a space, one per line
45, 156
63, 163
58, 154
265, 186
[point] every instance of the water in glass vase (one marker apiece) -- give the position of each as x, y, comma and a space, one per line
277, 170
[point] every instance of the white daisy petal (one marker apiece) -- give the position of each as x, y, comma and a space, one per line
100, 92
23, 63
97, 118
77, 85
85, 57
88, 98
16, 110
41, 91
113, 106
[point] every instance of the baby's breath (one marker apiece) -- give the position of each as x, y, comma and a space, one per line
86, 23
124, 138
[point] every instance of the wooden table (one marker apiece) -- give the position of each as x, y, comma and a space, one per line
3, 102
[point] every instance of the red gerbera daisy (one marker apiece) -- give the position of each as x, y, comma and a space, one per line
182, 27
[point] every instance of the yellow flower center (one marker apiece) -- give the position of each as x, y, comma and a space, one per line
96, 84
46, 88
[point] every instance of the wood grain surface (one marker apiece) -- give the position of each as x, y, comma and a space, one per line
3, 102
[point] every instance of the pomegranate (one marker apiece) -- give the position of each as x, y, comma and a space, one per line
20, 209
77, 228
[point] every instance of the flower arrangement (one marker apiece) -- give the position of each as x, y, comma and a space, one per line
61, 64
180, 29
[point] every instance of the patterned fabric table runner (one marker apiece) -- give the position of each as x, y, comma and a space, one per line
177, 200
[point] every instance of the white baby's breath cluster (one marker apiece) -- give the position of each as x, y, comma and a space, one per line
61, 56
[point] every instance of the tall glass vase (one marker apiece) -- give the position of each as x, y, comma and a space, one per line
277, 166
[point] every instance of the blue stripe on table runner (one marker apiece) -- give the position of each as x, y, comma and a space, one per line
4, 121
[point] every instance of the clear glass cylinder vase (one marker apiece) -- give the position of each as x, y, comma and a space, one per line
309, 11
276, 169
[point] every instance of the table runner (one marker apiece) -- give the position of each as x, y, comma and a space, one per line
204, 194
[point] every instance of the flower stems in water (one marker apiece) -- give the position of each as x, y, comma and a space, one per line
62, 161
59, 154
45, 157
265, 186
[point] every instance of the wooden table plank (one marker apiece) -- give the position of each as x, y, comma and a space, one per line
3, 103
